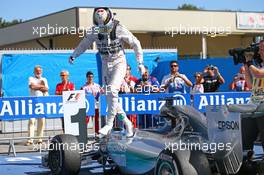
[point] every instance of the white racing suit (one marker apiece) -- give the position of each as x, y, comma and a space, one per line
113, 68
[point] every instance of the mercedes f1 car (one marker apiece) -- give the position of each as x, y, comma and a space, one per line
187, 143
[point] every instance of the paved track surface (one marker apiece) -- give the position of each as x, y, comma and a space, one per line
30, 164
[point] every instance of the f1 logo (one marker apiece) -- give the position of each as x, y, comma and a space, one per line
73, 97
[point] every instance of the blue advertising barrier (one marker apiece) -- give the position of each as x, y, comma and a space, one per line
16, 108
144, 103
200, 101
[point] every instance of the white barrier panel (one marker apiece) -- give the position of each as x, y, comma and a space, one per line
73, 102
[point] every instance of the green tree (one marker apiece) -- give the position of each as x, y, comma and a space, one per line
189, 7
4, 23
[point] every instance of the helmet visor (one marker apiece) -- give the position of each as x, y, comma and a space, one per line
102, 16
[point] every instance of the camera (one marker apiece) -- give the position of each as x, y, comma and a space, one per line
210, 67
239, 57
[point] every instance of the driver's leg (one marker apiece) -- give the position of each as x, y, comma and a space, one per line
118, 76
110, 112
113, 79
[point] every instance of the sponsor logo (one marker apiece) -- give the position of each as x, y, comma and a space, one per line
228, 125
73, 97
29, 107
180, 100
26, 107
144, 104
87, 105
201, 101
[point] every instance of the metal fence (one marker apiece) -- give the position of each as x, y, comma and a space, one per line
14, 133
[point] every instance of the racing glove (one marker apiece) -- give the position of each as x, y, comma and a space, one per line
141, 69
71, 60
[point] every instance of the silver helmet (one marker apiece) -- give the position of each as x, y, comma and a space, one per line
102, 16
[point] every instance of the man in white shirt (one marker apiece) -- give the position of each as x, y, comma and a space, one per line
38, 86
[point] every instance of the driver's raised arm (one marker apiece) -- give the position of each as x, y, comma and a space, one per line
84, 44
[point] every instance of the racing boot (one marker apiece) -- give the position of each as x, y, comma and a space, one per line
105, 130
108, 127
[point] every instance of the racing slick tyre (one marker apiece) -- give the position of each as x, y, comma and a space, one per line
64, 159
174, 163
200, 162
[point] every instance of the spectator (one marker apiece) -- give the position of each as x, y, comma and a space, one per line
128, 85
92, 88
175, 81
38, 86
129, 76
65, 84
239, 82
198, 86
253, 126
212, 79
147, 84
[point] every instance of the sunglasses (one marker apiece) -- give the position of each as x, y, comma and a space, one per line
174, 65
63, 75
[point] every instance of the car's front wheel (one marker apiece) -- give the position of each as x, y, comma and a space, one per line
62, 159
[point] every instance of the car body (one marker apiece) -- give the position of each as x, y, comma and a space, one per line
153, 150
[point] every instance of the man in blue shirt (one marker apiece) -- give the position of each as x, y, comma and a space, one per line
175, 81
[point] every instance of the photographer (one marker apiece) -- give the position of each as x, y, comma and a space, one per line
255, 80
175, 82
239, 81
255, 74
212, 79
